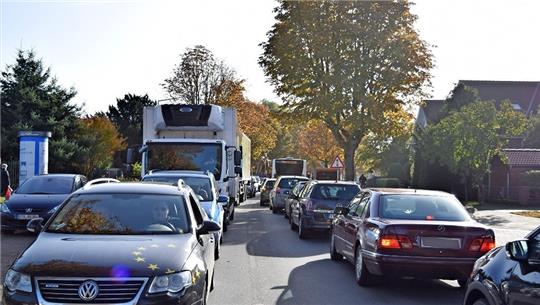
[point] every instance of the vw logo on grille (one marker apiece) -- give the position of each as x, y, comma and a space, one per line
88, 290
440, 228
28, 210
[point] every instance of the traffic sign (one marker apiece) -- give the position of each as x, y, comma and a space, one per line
337, 163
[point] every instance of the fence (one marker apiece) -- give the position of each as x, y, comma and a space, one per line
522, 194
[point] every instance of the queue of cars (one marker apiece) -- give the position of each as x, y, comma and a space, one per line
412, 233
149, 242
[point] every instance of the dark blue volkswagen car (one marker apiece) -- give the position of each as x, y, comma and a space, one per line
38, 197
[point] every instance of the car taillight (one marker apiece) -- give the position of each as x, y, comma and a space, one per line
482, 244
395, 242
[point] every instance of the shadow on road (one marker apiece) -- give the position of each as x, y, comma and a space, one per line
491, 220
329, 282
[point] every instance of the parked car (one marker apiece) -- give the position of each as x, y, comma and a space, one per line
406, 232
280, 192
204, 186
253, 187
37, 197
121, 243
293, 195
314, 208
268, 185
507, 275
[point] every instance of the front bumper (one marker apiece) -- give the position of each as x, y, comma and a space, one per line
11, 223
424, 267
190, 296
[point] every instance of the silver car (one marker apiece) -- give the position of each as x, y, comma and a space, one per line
281, 190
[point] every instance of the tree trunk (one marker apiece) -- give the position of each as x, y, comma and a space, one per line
350, 149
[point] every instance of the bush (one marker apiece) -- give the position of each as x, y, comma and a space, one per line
531, 178
384, 182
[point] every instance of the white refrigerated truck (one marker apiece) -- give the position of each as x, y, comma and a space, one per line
288, 166
201, 138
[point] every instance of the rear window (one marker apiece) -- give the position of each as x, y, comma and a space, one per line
289, 183
421, 207
335, 191
270, 184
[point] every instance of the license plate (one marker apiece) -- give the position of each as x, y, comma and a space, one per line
27, 216
441, 243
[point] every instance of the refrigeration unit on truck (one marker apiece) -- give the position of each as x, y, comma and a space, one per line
200, 138
288, 166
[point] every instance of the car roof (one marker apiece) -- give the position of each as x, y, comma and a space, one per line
134, 188
297, 177
396, 191
58, 175
335, 182
178, 174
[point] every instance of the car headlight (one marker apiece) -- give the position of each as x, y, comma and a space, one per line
18, 281
4, 209
171, 283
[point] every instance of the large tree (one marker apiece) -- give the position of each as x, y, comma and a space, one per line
466, 141
197, 77
532, 140
350, 64
317, 144
33, 100
102, 140
127, 116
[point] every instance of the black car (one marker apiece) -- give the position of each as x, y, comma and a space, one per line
293, 195
118, 243
507, 275
314, 209
38, 196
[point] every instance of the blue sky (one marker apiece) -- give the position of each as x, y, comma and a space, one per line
106, 49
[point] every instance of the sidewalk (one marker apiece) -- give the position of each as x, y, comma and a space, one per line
506, 225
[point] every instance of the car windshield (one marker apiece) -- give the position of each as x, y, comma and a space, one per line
289, 183
201, 186
421, 207
129, 214
47, 185
344, 192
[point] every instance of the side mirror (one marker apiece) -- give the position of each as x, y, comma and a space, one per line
223, 199
471, 210
518, 250
341, 210
207, 227
238, 170
237, 158
35, 225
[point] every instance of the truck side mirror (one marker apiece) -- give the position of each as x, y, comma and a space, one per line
238, 170
237, 158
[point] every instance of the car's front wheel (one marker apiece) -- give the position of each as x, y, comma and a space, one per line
362, 275
481, 301
334, 255
302, 230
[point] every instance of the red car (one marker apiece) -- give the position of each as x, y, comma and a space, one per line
406, 232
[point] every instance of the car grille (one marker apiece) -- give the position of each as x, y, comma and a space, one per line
34, 210
110, 291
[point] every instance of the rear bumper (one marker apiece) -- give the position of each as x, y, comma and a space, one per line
318, 221
419, 266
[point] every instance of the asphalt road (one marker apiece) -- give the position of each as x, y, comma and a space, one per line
264, 262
